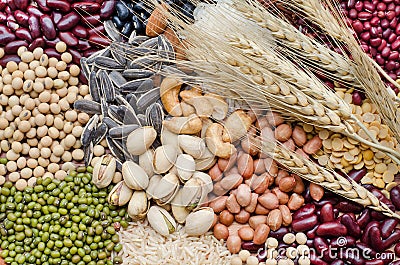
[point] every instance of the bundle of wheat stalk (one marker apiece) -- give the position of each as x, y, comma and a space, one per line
235, 57
328, 18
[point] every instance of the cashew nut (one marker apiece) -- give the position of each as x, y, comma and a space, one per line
184, 125
169, 92
207, 105
215, 142
187, 109
220, 107
236, 126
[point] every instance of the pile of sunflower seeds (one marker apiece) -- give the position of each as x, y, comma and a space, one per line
124, 84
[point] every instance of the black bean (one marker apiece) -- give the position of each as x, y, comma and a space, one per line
118, 22
127, 29
122, 11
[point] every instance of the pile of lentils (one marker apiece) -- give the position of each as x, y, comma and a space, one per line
60, 222
39, 129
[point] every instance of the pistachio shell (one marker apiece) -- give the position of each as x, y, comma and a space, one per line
153, 184
140, 140
205, 179
167, 188
185, 167
135, 177
104, 170
146, 162
161, 221
206, 163
164, 158
120, 194
199, 222
191, 193
178, 210
138, 205
169, 138
192, 145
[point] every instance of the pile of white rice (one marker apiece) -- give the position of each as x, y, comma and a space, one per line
142, 245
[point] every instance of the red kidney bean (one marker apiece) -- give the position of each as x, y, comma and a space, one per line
34, 27
311, 233
262, 255
364, 16
97, 30
42, 5
21, 4
278, 234
89, 7
107, 8
364, 218
48, 29
52, 43
305, 223
250, 246
9, 58
366, 250
56, 16
327, 213
357, 175
395, 192
353, 258
79, 31
3, 17
387, 257
63, 6
68, 38
387, 227
76, 56
352, 227
89, 52
6, 35
397, 249
365, 235
316, 260
12, 25
337, 262
393, 238
331, 200
357, 98
395, 263
33, 10
68, 21
24, 34
51, 52
12, 47
348, 207
374, 262
91, 20
375, 240
331, 229
83, 45
321, 244
39, 42
340, 242
99, 41
21, 18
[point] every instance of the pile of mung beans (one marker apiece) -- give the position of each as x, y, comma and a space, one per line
60, 222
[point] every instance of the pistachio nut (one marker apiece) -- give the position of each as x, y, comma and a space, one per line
103, 171
120, 194
153, 185
205, 179
206, 163
135, 177
191, 193
164, 158
169, 138
179, 211
167, 188
192, 145
161, 221
146, 162
140, 140
199, 222
138, 205
185, 166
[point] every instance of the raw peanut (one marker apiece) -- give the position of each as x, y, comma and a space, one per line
286, 215
295, 202
282, 196
269, 201
259, 166
233, 170
301, 152
249, 145
259, 183
242, 217
313, 145
221, 231
254, 221
231, 181
253, 203
283, 132
316, 191
243, 195
226, 164
299, 188
275, 220
215, 173
246, 233
218, 190
267, 134
271, 166
261, 234
233, 243
287, 184
274, 119
261, 210
245, 165
219, 204
226, 218
215, 221
299, 136
281, 174
261, 123
232, 205
289, 144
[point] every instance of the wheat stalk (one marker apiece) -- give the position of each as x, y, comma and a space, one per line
325, 16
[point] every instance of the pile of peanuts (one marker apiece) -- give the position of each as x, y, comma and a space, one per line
343, 153
261, 195
39, 129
